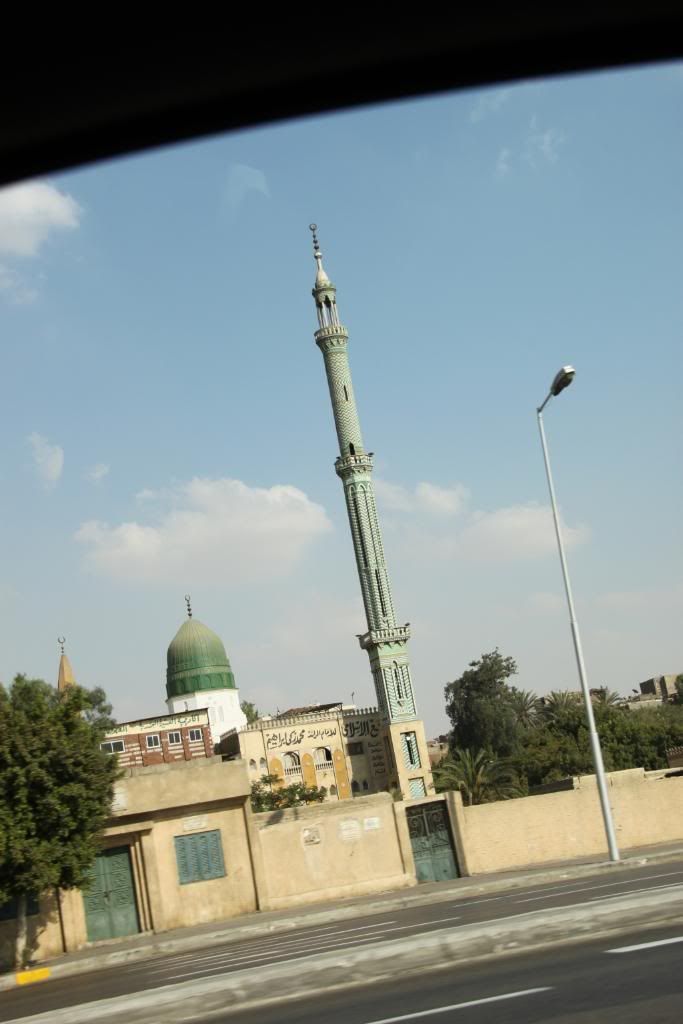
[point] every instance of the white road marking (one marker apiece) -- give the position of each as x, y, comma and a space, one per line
645, 945
293, 958
462, 1006
605, 885
228, 958
628, 892
287, 939
559, 889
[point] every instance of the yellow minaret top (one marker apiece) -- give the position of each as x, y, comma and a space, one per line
66, 673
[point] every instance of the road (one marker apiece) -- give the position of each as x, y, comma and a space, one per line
305, 942
606, 982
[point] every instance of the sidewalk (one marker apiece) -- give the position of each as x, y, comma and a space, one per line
148, 945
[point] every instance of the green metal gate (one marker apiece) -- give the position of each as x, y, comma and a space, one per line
430, 837
110, 909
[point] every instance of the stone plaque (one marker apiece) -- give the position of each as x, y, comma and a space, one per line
311, 836
195, 822
370, 824
349, 830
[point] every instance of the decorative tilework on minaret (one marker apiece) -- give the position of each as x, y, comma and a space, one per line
385, 641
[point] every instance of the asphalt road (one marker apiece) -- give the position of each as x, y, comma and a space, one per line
605, 982
304, 942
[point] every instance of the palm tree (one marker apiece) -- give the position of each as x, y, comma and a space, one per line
607, 697
526, 706
559, 703
478, 776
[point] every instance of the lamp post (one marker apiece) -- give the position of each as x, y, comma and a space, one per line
561, 381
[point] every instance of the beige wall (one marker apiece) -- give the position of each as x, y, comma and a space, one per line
647, 809
325, 851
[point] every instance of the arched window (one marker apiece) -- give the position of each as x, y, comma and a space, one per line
263, 766
323, 790
333, 790
252, 765
365, 784
355, 787
292, 764
322, 757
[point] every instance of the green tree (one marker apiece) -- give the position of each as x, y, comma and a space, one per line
480, 708
266, 795
479, 777
56, 788
526, 706
250, 710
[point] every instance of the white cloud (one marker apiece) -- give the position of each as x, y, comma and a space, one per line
211, 531
29, 212
542, 144
424, 520
489, 103
98, 472
48, 459
14, 288
242, 180
426, 497
503, 162
515, 532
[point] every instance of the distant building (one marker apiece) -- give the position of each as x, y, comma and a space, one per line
654, 692
437, 749
338, 748
180, 737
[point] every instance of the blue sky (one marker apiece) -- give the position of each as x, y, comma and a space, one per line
166, 424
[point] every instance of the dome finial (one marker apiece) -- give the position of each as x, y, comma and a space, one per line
61, 640
321, 277
189, 606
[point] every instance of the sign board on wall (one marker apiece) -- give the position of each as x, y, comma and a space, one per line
179, 721
349, 830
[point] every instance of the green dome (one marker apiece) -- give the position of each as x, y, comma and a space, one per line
196, 660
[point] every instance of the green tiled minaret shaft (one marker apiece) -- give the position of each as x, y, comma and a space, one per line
385, 641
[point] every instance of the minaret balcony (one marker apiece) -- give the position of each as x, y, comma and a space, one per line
334, 334
390, 635
362, 461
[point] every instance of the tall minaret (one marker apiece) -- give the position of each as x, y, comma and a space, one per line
385, 641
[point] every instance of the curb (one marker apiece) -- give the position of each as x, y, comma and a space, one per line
233, 932
394, 958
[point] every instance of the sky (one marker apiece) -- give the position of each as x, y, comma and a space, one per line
166, 427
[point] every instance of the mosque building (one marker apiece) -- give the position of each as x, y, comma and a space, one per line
342, 749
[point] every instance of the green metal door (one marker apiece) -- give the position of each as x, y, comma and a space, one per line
430, 838
110, 910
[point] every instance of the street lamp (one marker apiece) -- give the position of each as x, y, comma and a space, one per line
561, 381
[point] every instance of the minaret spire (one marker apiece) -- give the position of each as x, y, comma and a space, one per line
65, 677
385, 641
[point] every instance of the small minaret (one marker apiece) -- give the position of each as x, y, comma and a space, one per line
385, 641
66, 675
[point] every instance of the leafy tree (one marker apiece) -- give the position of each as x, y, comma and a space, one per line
266, 795
56, 788
480, 708
479, 777
250, 710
